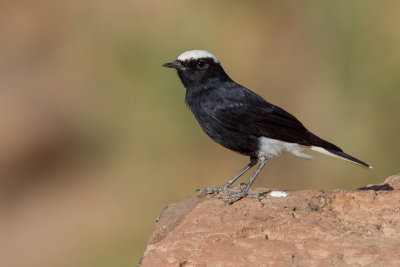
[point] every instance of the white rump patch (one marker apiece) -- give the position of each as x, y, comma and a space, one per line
271, 147
196, 54
278, 194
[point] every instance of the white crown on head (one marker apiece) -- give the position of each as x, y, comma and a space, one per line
196, 54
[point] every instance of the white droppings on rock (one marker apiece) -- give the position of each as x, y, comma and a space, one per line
278, 194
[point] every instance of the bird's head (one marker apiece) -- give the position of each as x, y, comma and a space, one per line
197, 68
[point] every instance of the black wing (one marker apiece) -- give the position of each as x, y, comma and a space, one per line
240, 109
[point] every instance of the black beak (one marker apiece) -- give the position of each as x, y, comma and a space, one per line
175, 65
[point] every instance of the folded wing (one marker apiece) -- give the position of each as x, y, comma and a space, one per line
239, 109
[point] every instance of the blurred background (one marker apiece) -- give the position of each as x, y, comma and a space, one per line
96, 139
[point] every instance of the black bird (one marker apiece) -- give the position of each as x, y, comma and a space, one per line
239, 119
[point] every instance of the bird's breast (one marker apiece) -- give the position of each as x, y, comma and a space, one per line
232, 139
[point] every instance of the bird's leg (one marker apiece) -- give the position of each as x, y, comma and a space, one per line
236, 196
208, 190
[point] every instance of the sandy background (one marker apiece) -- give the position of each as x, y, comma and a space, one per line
95, 137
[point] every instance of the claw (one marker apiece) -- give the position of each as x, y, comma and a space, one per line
237, 196
232, 197
209, 190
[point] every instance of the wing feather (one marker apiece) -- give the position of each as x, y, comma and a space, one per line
240, 109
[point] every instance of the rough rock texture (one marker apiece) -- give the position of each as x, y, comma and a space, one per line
306, 228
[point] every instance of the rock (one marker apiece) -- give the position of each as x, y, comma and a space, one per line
306, 228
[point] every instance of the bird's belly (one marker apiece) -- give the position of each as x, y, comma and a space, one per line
237, 141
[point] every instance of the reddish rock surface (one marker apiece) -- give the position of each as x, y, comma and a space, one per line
306, 228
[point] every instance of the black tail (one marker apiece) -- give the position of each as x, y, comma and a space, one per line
341, 155
349, 158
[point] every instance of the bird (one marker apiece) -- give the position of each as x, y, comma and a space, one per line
242, 121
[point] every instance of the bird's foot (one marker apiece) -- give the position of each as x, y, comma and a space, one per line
209, 190
233, 197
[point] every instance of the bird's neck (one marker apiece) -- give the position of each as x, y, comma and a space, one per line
195, 92
195, 80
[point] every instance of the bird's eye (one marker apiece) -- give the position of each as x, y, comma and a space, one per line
201, 64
